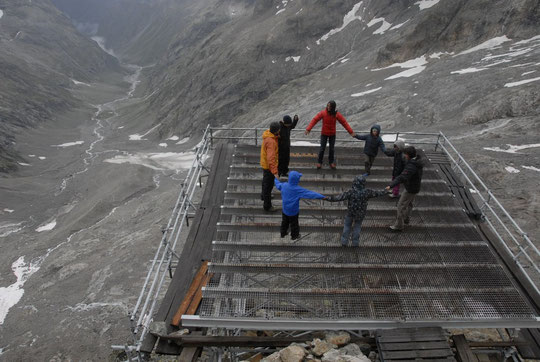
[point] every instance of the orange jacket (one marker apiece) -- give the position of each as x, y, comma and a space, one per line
269, 152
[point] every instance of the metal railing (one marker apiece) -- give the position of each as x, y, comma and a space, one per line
515, 241
142, 315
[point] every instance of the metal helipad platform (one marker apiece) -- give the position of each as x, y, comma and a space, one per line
439, 272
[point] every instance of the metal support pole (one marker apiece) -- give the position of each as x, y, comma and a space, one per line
256, 137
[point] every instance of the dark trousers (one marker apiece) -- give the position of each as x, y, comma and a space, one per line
283, 161
331, 141
267, 186
291, 221
368, 162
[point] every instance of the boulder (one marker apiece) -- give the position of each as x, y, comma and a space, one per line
274, 357
351, 349
339, 338
321, 347
292, 354
332, 355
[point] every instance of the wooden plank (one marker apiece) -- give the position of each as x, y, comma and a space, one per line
190, 293
417, 354
198, 295
404, 346
189, 354
385, 339
464, 352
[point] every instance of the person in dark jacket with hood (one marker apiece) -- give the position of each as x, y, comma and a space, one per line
411, 178
284, 141
357, 198
291, 194
399, 163
374, 141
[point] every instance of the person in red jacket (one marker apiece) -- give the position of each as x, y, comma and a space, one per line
329, 117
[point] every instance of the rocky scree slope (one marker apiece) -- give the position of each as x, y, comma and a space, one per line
41, 57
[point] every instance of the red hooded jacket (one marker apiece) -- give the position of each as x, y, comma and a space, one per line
329, 123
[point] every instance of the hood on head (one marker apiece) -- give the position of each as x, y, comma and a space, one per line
294, 178
400, 144
268, 134
359, 182
377, 127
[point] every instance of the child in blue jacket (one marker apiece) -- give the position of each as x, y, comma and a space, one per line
291, 194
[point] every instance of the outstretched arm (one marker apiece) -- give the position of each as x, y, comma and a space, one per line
308, 194
277, 183
343, 196
373, 193
314, 121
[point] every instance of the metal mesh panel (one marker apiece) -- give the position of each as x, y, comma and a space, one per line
439, 268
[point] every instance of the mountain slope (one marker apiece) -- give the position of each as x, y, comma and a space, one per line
41, 58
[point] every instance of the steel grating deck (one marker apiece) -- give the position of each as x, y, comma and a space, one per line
438, 272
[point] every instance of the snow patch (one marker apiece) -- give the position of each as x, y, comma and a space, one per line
24, 164
426, 4
280, 11
173, 138
32, 156
532, 71
438, 55
489, 44
69, 144
42, 157
298, 12
534, 38
515, 53
47, 227
101, 42
140, 137
295, 59
473, 191
512, 148
344, 60
303, 143
162, 145
8, 229
399, 25
407, 73
182, 141
414, 66
531, 168
157, 161
515, 84
9, 210
366, 92
511, 169
384, 27
347, 19
1, 14
76, 82
9, 296
467, 70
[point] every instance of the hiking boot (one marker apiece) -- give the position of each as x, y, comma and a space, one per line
395, 229
333, 166
296, 237
283, 235
319, 166
271, 209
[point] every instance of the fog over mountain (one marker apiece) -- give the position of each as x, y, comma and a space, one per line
102, 102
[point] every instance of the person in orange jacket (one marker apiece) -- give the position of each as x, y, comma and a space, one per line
269, 163
329, 117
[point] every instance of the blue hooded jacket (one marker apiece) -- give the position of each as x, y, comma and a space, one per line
291, 193
371, 147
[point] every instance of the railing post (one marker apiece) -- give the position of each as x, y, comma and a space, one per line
256, 137
211, 138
